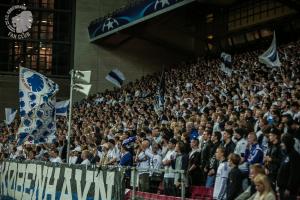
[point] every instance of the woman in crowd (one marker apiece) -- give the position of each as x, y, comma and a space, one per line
263, 187
249, 193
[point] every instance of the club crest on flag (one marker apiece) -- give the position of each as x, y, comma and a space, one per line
34, 89
37, 107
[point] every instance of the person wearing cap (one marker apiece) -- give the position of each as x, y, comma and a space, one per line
167, 163
274, 155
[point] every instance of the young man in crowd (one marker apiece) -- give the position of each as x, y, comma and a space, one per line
234, 183
194, 171
85, 155
143, 165
221, 176
54, 157
167, 162
181, 163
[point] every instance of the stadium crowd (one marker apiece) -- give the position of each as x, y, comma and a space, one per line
239, 134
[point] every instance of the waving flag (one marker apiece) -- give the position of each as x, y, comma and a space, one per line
226, 70
37, 107
270, 57
160, 93
10, 115
116, 77
61, 108
226, 59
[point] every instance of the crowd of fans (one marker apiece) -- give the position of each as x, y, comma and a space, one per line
239, 134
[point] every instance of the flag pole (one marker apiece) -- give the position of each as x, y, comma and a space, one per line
70, 114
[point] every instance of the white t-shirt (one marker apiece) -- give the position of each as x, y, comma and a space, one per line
240, 147
73, 159
56, 160
144, 158
156, 162
112, 154
221, 181
171, 155
85, 162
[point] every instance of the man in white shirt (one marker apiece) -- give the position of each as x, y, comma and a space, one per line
54, 158
143, 165
222, 175
169, 188
155, 165
113, 153
73, 157
241, 144
85, 157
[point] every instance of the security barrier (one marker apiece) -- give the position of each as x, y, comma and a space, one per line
43, 180
40, 180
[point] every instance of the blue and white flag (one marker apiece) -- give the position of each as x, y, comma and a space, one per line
10, 114
226, 59
61, 108
116, 77
226, 70
37, 107
160, 93
270, 57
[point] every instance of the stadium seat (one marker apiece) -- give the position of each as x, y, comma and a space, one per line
199, 192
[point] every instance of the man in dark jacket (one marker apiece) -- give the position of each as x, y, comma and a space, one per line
288, 178
206, 151
213, 163
274, 156
180, 163
235, 178
194, 172
228, 144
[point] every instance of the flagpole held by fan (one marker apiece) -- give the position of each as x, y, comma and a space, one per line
79, 83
